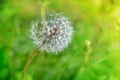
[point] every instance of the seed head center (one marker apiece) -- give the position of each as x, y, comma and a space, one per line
51, 32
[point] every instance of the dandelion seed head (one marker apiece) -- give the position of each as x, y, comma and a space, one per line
57, 33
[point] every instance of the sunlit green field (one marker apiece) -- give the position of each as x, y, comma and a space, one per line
93, 54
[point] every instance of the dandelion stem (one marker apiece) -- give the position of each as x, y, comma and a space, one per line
43, 6
30, 60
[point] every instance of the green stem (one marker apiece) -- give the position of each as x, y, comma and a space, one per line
43, 7
30, 59
28, 63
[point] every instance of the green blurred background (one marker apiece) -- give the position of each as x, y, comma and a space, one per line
94, 53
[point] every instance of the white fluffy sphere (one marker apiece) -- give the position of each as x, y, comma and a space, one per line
57, 33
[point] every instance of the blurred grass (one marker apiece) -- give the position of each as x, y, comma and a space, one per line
94, 53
